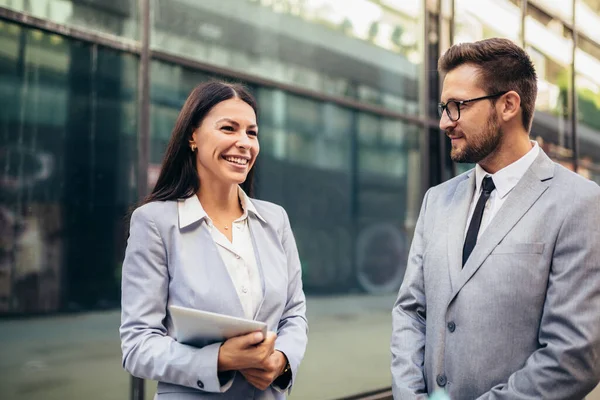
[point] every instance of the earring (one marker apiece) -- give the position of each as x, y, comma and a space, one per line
193, 147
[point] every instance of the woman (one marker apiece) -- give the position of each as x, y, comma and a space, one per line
199, 241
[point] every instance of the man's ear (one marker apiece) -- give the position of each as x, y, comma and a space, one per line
510, 105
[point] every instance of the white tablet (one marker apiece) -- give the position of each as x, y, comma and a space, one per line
195, 326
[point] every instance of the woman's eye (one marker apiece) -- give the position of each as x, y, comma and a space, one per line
252, 133
228, 128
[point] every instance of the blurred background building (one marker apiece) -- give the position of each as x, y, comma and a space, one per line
347, 89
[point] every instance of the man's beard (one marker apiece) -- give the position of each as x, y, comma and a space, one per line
481, 145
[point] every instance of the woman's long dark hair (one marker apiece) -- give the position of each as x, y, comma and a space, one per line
178, 175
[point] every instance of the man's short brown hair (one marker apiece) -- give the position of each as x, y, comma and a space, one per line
502, 66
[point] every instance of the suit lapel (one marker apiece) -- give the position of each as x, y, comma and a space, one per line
527, 191
205, 249
259, 238
458, 212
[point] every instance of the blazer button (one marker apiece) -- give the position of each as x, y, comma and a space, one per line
451, 326
200, 384
441, 380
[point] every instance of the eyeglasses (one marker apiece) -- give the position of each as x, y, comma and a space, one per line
452, 107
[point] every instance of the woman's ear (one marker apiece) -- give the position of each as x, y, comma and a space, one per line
192, 141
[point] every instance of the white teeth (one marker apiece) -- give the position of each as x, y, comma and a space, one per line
237, 160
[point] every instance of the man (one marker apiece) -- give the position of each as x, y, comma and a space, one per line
501, 297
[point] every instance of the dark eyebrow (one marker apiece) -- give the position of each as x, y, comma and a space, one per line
253, 126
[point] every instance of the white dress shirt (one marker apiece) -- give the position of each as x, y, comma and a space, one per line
505, 180
239, 258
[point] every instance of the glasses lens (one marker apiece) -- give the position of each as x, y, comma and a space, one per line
440, 109
453, 111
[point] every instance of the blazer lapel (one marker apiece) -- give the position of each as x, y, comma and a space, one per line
458, 212
259, 238
205, 249
527, 191
272, 263
199, 242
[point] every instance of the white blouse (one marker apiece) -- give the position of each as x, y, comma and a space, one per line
239, 258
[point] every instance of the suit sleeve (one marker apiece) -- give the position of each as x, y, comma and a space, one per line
567, 364
408, 322
148, 352
292, 332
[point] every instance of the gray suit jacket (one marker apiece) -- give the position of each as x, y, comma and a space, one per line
521, 320
174, 260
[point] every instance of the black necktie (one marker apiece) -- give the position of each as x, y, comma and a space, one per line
471, 239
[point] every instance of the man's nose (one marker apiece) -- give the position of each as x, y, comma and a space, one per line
446, 122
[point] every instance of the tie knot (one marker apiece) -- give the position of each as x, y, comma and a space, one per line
488, 184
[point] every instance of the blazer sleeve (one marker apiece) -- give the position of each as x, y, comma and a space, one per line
147, 350
567, 364
292, 331
408, 322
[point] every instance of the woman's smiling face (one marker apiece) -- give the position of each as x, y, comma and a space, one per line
227, 142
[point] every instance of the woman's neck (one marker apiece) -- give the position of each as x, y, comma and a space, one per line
220, 201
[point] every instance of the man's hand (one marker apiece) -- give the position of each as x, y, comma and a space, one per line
265, 373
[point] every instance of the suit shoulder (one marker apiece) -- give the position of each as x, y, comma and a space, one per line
448, 187
157, 211
271, 212
575, 186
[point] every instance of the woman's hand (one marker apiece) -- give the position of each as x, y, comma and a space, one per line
263, 375
246, 351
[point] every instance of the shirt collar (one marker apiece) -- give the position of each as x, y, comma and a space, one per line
248, 205
190, 210
507, 178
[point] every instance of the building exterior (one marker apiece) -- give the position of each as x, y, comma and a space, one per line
90, 89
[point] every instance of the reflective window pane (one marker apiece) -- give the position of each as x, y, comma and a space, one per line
560, 9
587, 16
587, 59
115, 17
67, 157
550, 47
388, 190
365, 50
483, 19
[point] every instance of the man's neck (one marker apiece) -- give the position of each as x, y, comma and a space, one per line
509, 151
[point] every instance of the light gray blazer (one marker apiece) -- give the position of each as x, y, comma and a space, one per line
172, 259
521, 320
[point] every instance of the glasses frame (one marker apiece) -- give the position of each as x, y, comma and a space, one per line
444, 106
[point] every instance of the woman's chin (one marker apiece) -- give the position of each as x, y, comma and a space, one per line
236, 178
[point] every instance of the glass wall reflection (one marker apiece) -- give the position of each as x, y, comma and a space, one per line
587, 82
372, 52
113, 17
67, 156
550, 46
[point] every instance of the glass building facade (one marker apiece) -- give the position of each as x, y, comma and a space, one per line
90, 90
